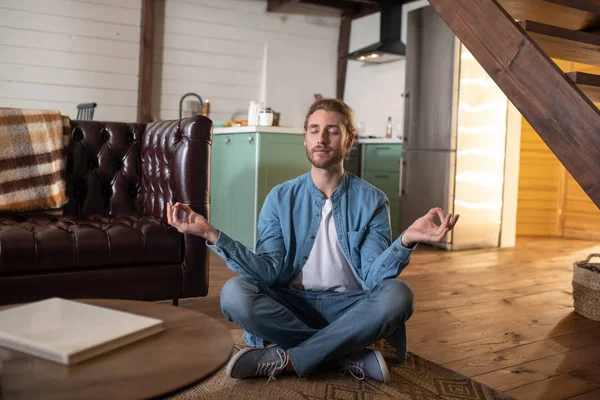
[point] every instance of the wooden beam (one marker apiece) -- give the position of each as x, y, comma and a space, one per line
343, 48
369, 2
144, 109
592, 6
277, 5
365, 10
588, 83
559, 112
553, 13
355, 7
564, 44
347, 6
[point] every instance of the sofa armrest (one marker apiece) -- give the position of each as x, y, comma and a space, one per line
175, 157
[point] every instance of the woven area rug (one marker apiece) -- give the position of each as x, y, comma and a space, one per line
417, 379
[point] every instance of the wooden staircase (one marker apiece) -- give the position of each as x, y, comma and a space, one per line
517, 56
589, 83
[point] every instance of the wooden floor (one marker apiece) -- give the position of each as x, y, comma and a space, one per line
504, 317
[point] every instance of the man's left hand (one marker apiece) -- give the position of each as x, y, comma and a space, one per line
425, 229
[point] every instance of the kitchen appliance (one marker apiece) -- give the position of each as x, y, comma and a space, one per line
389, 47
455, 133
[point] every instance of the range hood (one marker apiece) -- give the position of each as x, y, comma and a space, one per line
389, 47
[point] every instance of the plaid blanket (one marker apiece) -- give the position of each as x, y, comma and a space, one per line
32, 162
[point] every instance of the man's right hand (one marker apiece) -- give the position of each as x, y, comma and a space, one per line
194, 223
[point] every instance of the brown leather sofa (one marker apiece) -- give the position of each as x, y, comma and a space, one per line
113, 240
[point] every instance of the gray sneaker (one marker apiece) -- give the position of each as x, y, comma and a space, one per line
365, 363
252, 362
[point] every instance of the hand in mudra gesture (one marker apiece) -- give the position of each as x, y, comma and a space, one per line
194, 223
425, 228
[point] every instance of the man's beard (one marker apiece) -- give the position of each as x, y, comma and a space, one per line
334, 157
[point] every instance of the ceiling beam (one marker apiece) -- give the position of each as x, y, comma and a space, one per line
365, 10
344, 5
363, 7
278, 5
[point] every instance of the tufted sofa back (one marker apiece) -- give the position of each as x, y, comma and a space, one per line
118, 168
104, 168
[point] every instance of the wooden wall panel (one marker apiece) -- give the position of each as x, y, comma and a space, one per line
581, 216
541, 178
551, 202
540, 190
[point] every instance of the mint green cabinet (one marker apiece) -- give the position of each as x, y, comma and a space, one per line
384, 180
242, 188
381, 168
221, 177
244, 169
382, 157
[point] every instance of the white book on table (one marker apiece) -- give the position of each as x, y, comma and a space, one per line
68, 332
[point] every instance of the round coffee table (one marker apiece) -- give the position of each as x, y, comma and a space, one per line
191, 347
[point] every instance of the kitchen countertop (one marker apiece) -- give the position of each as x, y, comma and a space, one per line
260, 129
294, 131
380, 141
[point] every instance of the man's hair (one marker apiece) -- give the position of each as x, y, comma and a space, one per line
335, 105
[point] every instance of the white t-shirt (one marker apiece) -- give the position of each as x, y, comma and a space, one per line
327, 267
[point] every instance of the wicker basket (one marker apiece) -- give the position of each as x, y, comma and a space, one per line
586, 288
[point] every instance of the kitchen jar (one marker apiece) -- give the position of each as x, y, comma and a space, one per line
265, 117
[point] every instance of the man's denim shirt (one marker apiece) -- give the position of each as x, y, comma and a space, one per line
288, 224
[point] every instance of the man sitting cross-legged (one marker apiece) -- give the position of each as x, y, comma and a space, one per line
322, 284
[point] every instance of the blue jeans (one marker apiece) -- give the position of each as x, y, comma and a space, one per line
319, 326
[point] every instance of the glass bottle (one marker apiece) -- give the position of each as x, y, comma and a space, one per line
388, 128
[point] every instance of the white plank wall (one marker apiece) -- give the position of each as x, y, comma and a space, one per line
232, 51
58, 53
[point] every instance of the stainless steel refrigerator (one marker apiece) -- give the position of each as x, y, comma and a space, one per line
454, 132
